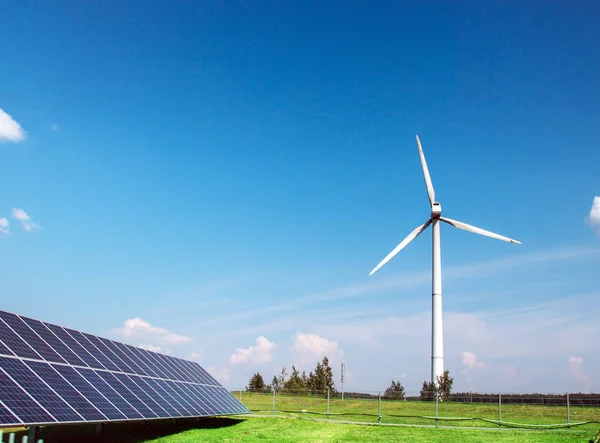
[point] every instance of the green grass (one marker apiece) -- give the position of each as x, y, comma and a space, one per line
262, 429
412, 413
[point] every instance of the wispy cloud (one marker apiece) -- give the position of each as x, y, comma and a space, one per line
593, 219
4, 226
470, 361
150, 348
54, 127
10, 130
261, 353
410, 280
308, 348
575, 364
154, 337
222, 375
23, 217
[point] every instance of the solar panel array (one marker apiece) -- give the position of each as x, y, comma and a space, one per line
50, 374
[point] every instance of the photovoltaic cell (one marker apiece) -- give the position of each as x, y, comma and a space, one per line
50, 374
28, 334
63, 388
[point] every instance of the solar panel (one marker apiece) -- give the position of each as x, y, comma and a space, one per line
50, 374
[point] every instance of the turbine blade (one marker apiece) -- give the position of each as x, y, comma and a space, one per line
428, 184
476, 230
398, 248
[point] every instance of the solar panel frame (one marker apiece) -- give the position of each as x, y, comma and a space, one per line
51, 374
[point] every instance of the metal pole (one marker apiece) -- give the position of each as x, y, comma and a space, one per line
379, 408
240, 395
273, 413
11, 437
436, 408
24, 439
327, 403
499, 410
568, 412
343, 367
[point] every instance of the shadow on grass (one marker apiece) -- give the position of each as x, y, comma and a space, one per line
132, 432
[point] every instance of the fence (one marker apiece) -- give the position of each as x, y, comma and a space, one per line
532, 411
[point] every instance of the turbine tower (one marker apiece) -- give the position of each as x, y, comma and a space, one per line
437, 338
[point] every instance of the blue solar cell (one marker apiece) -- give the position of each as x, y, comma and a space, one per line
111, 394
74, 346
93, 379
141, 393
173, 372
127, 394
89, 346
63, 388
49, 337
27, 334
185, 390
7, 418
158, 365
89, 392
141, 356
25, 408
16, 343
131, 364
167, 403
4, 350
168, 394
45, 396
110, 353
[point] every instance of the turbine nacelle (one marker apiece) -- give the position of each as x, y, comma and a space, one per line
436, 210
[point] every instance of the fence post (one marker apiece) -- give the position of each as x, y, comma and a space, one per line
379, 408
568, 412
273, 410
327, 403
499, 410
240, 395
436, 408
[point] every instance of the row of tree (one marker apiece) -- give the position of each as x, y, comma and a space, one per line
319, 380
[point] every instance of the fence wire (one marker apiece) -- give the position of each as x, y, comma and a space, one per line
486, 411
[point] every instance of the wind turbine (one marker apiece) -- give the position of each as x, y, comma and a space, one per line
437, 338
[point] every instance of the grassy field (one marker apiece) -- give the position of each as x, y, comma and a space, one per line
410, 412
290, 424
281, 429
255, 429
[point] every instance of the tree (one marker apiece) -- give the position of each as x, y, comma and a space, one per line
256, 383
295, 384
281, 378
275, 383
428, 391
445, 385
443, 388
322, 378
395, 391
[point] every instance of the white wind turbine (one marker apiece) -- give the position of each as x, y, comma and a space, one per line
437, 339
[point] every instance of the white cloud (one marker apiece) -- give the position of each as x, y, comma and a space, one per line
470, 361
309, 348
150, 348
138, 329
54, 127
198, 355
575, 364
25, 220
220, 374
261, 353
10, 130
594, 218
4, 226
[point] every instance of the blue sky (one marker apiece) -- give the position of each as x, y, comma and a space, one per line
217, 179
